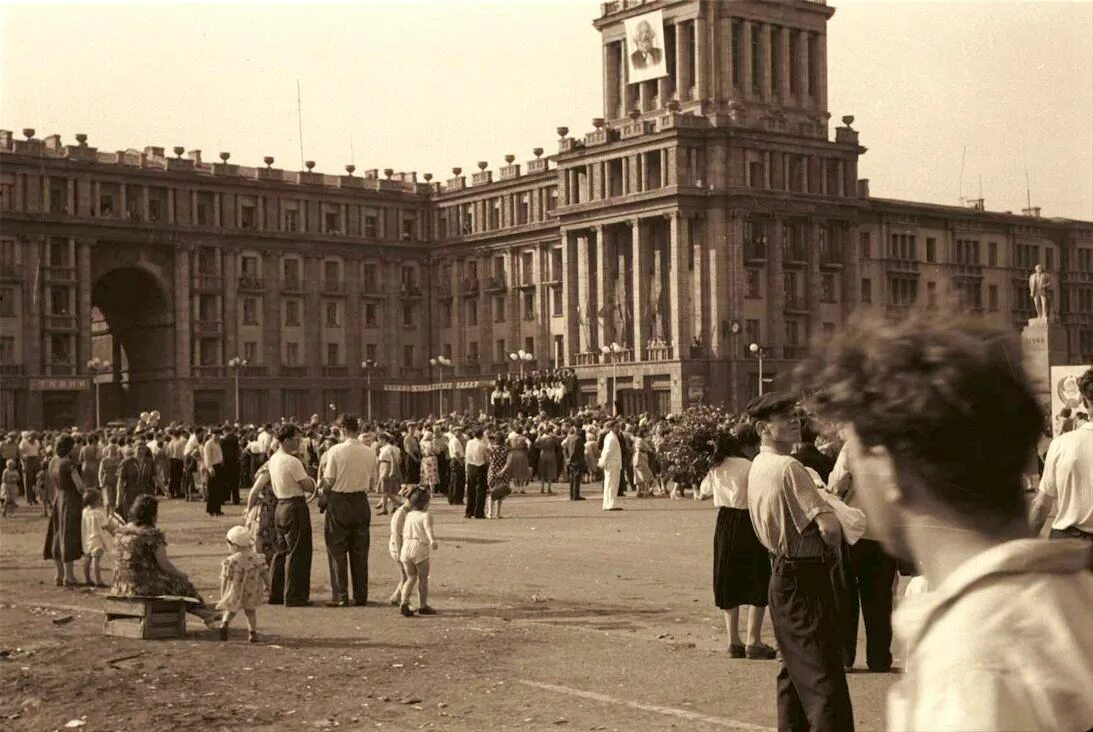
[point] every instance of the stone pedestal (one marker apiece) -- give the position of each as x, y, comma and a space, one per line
1043, 345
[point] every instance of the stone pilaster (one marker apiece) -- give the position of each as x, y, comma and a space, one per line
605, 315
774, 329
229, 262
639, 289
678, 330
587, 314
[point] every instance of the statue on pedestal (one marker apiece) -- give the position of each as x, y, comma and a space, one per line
1039, 289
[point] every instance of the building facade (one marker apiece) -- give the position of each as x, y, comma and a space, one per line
708, 209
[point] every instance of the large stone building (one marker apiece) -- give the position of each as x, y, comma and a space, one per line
708, 209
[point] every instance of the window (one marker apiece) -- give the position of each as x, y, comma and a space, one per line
292, 353
523, 209
866, 242
556, 301
7, 302
331, 311
292, 272
292, 220
408, 315
58, 252
332, 223
967, 251
292, 313
902, 291
791, 280
1084, 256
902, 248
992, 253
409, 228
931, 249
751, 335
1085, 343
756, 57
7, 349
408, 356
7, 253
556, 264
737, 52
499, 308
529, 305
250, 351
447, 351
58, 300
371, 226
207, 348
331, 272
7, 192
529, 344
250, 311
1085, 300
752, 289
445, 314
499, 351
992, 297
472, 312
827, 288
370, 351
207, 308
370, 318
866, 291
371, 277
59, 348
249, 266
472, 351
931, 294
332, 354
248, 217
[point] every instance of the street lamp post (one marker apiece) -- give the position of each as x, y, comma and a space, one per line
521, 357
440, 362
236, 365
759, 352
612, 353
98, 366
368, 364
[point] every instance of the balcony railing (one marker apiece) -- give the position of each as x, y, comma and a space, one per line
755, 251
335, 371
410, 289
292, 284
470, 286
60, 368
496, 284
60, 322
974, 271
659, 352
209, 282
59, 275
250, 283
209, 372
208, 327
10, 272
371, 289
586, 359
11, 369
794, 256
411, 372
336, 287
294, 372
905, 266
526, 281
252, 371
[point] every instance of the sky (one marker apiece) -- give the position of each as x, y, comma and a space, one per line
428, 85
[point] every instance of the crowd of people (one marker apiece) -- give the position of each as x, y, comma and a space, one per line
909, 454
552, 393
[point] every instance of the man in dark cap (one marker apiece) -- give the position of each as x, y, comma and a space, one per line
799, 529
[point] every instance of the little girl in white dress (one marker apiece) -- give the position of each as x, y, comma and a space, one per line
418, 544
244, 582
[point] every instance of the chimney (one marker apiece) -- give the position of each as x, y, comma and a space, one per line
1033, 212
863, 188
194, 155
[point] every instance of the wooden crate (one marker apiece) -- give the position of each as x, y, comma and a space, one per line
144, 617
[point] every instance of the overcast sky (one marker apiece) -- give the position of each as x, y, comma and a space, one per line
427, 86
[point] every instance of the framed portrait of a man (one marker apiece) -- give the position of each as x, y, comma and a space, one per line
645, 55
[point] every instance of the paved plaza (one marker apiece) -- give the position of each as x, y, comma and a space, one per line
558, 616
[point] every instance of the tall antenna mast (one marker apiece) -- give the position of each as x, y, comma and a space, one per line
300, 123
352, 156
960, 193
1028, 190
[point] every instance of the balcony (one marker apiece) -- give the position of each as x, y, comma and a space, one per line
59, 275
372, 290
208, 282
209, 372
470, 287
591, 358
11, 369
529, 316
60, 322
335, 371
208, 328
796, 305
834, 260
250, 372
444, 289
10, 272
496, 284
333, 287
755, 252
659, 351
794, 352
411, 372
410, 290
292, 284
526, 281
250, 283
901, 266
794, 257
60, 368
470, 368
969, 271
294, 372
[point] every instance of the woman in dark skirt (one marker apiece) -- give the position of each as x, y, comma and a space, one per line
741, 566
64, 542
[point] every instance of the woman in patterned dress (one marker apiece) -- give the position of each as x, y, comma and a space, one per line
64, 533
518, 463
261, 506
549, 448
430, 475
498, 476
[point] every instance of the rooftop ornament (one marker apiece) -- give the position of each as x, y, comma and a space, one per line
428, 177
224, 156
482, 165
597, 122
29, 132
309, 165
538, 151
268, 160
635, 114
81, 138
178, 150
456, 171
388, 172
350, 168
562, 131
510, 158
848, 119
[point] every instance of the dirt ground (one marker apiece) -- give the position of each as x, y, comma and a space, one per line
559, 616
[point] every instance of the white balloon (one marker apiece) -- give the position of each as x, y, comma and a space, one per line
144, 416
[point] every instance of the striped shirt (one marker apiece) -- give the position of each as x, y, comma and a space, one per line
784, 501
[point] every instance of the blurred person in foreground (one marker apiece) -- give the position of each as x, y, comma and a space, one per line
939, 420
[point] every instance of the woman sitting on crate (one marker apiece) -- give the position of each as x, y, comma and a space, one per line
143, 569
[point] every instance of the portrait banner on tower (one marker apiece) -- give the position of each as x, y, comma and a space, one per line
646, 57
1065, 393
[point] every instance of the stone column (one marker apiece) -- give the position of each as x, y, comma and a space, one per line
713, 230
699, 298
643, 96
312, 316
774, 329
747, 90
145, 204
123, 202
802, 68
183, 312
584, 300
604, 316
682, 83
639, 289
571, 302
764, 60
665, 83
676, 330
33, 263
700, 58
610, 83
783, 51
821, 74
230, 269
83, 302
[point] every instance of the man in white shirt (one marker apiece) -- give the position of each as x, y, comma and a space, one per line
30, 448
940, 424
1067, 483
214, 465
349, 473
476, 456
262, 443
611, 464
457, 474
290, 573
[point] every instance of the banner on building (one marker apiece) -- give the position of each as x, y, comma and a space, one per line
443, 386
646, 57
1065, 393
76, 383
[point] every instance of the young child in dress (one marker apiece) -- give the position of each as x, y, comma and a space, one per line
94, 522
9, 488
244, 582
398, 521
418, 543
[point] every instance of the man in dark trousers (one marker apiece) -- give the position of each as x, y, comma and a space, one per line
348, 475
233, 464
799, 529
476, 456
290, 575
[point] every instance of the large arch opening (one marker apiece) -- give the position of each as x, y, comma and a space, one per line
132, 328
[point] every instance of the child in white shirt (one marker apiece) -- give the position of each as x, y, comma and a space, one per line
94, 522
398, 520
9, 488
